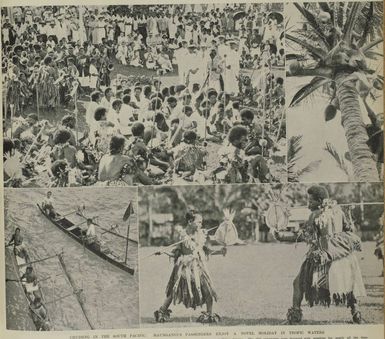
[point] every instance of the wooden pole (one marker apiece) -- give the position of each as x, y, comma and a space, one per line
224, 96
153, 118
11, 118
128, 234
150, 222
280, 124
270, 99
76, 115
362, 208
5, 103
104, 229
60, 298
207, 101
264, 114
62, 216
39, 260
76, 291
174, 244
53, 294
37, 102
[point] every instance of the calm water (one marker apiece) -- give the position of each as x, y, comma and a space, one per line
111, 295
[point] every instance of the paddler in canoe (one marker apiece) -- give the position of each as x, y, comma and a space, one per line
47, 205
40, 315
90, 234
29, 281
17, 242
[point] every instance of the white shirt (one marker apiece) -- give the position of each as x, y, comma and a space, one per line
126, 113
105, 103
113, 116
91, 232
90, 112
48, 201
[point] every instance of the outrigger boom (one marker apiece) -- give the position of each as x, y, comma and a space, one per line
80, 214
76, 291
38, 260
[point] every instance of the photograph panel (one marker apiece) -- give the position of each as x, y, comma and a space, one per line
260, 254
334, 59
71, 259
143, 94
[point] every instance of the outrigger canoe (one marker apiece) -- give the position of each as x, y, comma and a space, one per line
19, 267
76, 233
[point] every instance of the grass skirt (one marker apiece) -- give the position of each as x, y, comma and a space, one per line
190, 283
333, 274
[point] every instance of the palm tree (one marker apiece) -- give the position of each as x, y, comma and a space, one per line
340, 38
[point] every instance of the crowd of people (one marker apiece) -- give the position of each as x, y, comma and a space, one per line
225, 100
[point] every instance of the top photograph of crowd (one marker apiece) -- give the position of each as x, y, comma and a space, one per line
192, 94
143, 95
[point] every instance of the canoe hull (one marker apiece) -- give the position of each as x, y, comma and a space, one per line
76, 234
19, 266
18, 314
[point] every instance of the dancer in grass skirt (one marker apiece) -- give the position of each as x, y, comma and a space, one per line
190, 282
47, 88
330, 272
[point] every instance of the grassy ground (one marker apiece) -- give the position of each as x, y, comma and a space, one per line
254, 287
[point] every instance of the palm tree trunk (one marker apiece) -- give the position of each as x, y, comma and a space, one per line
363, 161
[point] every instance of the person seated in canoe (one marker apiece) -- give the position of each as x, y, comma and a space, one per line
29, 281
91, 236
40, 315
47, 205
17, 242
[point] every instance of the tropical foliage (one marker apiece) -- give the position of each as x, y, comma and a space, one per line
336, 43
339, 160
293, 156
249, 202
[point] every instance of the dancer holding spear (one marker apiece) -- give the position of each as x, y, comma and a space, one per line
190, 282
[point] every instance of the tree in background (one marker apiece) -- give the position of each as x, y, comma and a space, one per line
338, 39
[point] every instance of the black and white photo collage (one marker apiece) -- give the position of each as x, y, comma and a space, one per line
190, 165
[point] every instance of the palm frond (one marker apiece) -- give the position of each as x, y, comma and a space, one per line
293, 148
355, 11
309, 88
287, 24
311, 20
340, 14
314, 51
292, 164
340, 161
372, 44
308, 168
367, 25
373, 55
